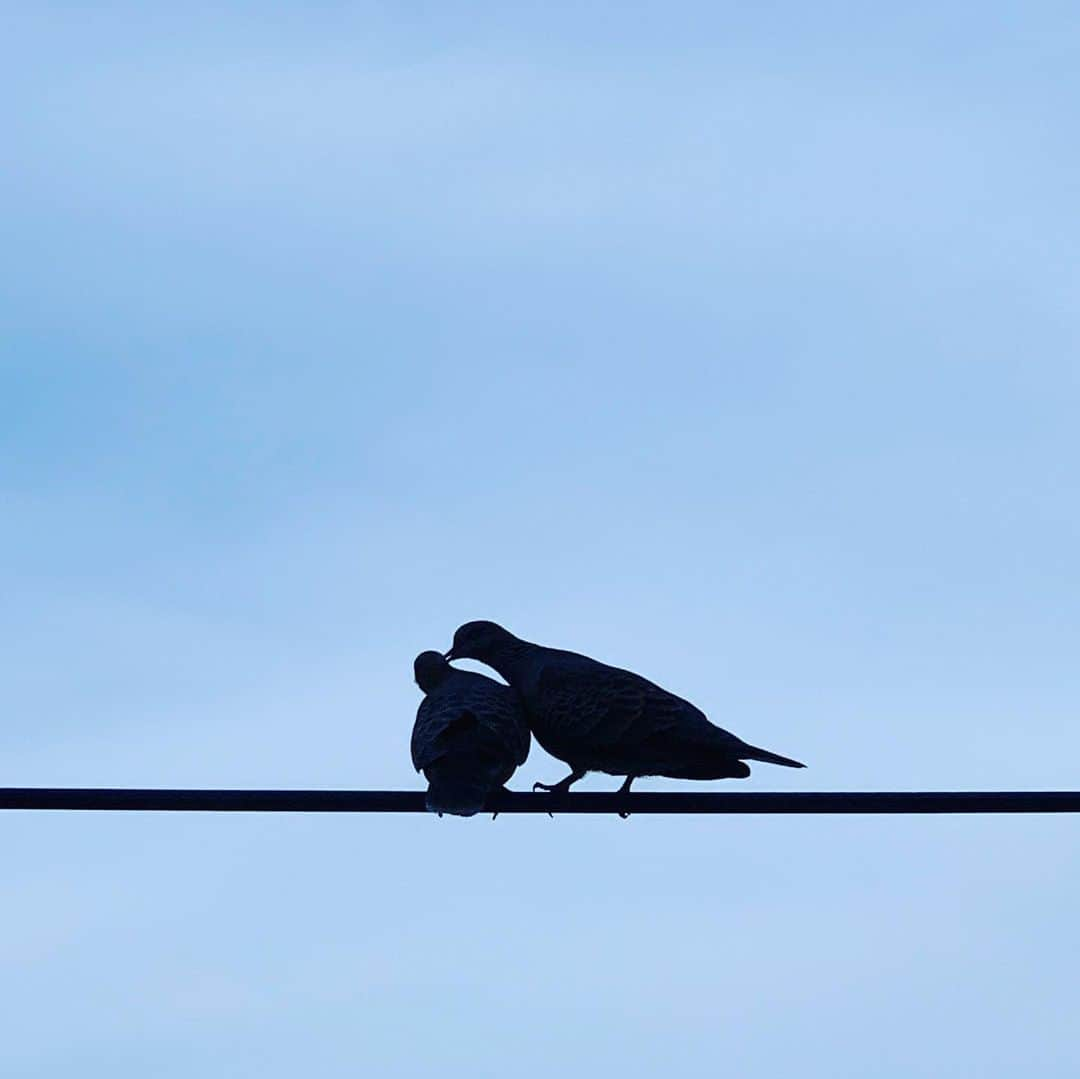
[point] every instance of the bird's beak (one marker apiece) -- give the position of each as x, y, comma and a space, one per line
448, 655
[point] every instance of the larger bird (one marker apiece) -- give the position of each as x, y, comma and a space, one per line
598, 718
469, 737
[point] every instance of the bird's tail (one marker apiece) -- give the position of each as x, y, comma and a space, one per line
752, 753
456, 795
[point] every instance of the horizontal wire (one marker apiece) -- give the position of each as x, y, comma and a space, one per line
641, 802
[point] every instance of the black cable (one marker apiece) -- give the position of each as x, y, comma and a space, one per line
340, 801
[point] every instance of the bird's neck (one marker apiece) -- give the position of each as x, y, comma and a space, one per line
511, 660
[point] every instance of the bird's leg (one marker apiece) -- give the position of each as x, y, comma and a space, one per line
625, 789
562, 786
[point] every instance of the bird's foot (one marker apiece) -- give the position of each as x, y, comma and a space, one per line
558, 790
625, 789
554, 788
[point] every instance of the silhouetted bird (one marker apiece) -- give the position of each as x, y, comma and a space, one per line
469, 736
598, 718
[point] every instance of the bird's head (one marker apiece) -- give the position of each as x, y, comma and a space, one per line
429, 670
484, 641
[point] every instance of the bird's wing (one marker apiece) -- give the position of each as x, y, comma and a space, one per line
494, 716
435, 716
608, 706
591, 702
498, 710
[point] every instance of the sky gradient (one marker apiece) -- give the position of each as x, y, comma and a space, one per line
734, 346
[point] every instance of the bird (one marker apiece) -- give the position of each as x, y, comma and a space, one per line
597, 718
469, 736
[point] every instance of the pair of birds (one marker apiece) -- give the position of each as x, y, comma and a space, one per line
472, 732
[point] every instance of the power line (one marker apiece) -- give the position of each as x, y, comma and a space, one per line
676, 802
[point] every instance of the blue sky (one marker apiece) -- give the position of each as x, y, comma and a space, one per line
737, 346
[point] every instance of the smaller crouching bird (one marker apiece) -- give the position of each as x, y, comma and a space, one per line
469, 737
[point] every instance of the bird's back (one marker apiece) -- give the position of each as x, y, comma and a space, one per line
603, 717
469, 737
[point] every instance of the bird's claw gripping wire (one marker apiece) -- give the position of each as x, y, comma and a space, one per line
560, 789
552, 788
